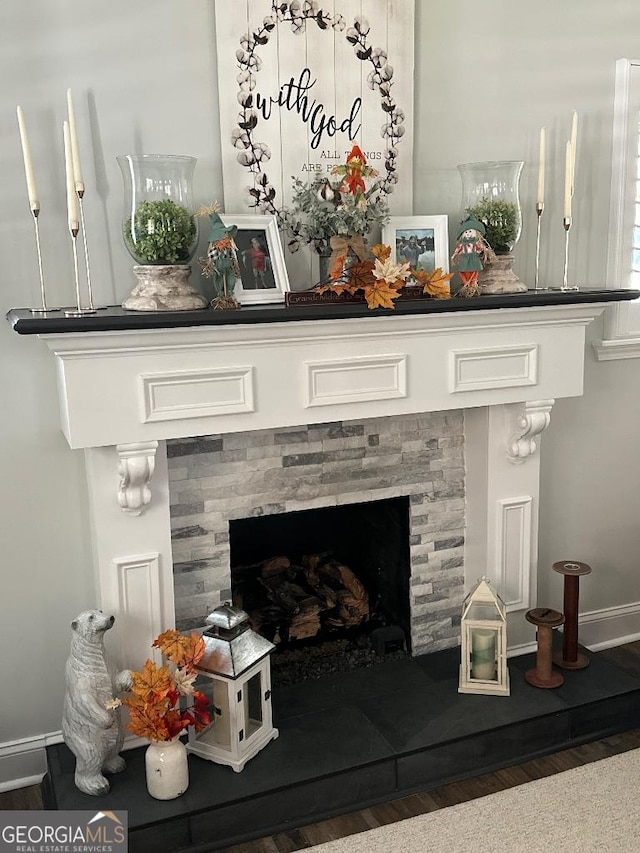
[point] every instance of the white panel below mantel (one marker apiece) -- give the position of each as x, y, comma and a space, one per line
356, 380
127, 387
493, 367
196, 393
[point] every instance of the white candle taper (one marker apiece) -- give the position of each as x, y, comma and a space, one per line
574, 149
72, 198
541, 166
28, 164
75, 150
567, 181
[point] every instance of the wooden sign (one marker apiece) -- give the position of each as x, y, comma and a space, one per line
300, 82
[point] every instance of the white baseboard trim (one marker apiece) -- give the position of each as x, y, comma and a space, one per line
24, 782
609, 627
23, 762
522, 649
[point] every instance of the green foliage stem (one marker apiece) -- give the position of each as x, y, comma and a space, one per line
314, 220
163, 232
501, 219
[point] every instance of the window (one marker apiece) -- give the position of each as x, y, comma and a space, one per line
622, 321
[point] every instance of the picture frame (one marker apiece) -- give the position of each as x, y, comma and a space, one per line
263, 274
421, 235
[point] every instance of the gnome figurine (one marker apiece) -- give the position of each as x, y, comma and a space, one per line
221, 263
470, 255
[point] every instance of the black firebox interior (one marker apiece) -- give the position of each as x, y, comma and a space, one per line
371, 538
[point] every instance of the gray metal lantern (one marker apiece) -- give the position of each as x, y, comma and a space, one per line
483, 666
235, 674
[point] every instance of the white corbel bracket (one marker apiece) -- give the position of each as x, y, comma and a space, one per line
530, 423
135, 467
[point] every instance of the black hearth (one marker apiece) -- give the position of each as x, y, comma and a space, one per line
356, 739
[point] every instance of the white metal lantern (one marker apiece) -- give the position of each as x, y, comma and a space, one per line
235, 674
483, 667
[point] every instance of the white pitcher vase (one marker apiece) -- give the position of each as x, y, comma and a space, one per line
167, 769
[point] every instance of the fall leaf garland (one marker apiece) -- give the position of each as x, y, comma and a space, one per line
154, 704
380, 279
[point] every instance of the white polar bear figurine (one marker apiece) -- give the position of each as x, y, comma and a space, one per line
93, 732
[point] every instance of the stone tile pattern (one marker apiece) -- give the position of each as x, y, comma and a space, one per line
213, 479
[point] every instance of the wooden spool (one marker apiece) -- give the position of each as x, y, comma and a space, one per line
570, 657
544, 675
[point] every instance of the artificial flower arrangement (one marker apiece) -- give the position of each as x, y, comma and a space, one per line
154, 706
379, 279
339, 216
322, 209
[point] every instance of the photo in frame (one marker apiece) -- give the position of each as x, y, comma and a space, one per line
422, 241
263, 274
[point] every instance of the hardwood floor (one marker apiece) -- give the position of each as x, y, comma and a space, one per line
626, 657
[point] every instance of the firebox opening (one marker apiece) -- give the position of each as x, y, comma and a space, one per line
318, 576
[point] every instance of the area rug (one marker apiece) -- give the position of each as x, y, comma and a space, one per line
595, 807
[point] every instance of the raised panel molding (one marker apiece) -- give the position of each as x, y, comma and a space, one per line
135, 594
356, 380
493, 367
513, 538
196, 393
173, 383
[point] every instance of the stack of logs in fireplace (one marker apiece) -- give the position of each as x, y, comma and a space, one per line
296, 602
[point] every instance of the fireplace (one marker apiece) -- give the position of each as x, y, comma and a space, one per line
384, 495
166, 408
336, 577
316, 574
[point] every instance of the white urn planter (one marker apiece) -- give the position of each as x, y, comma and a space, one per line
164, 287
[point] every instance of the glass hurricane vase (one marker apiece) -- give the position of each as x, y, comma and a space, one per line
160, 230
490, 193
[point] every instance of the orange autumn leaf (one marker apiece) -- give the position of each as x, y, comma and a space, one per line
155, 701
435, 284
381, 252
171, 643
361, 274
335, 287
180, 650
147, 724
151, 681
193, 652
380, 294
337, 264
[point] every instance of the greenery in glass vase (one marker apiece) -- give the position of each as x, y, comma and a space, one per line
501, 219
162, 232
319, 211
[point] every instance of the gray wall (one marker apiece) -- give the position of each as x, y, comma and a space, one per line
143, 76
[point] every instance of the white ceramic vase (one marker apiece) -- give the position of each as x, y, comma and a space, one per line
167, 769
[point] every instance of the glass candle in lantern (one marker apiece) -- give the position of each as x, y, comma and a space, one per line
483, 654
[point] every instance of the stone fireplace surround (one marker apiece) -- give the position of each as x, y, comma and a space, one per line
215, 479
127, 385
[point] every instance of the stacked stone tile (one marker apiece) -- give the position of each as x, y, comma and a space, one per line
217, 478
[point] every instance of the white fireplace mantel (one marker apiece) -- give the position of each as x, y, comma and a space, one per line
124, 392
123, 387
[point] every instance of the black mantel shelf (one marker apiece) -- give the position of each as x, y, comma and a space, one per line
116, 319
